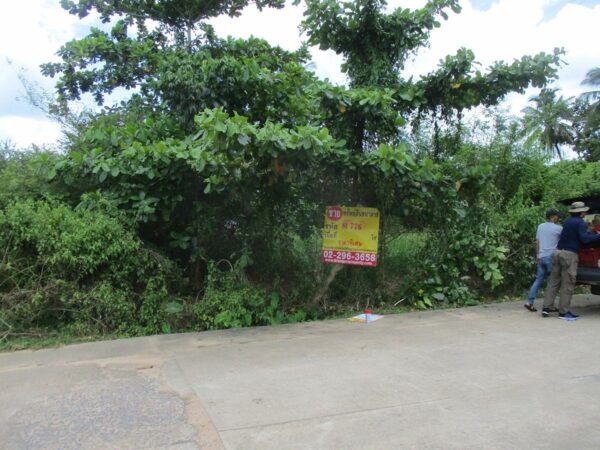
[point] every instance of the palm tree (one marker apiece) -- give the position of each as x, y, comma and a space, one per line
587, 118
549, 122
592, 78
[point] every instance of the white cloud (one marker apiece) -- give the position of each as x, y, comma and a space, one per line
278, 26
31, 32
25, 131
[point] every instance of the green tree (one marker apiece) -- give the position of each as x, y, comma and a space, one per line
587, 129
226, 140
102, 62
376, 45
174, 13
587, 118
592, 78
549, 123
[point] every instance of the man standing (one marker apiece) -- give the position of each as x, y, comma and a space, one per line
566, 259
546, 239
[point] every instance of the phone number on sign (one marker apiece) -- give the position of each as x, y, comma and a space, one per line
355, 258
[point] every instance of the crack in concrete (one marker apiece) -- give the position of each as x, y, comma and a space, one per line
196, 415
341, 414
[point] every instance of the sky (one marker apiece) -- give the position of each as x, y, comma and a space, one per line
31, 31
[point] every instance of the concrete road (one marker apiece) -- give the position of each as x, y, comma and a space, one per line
487, 377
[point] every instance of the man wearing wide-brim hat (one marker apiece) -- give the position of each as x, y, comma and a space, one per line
566, 259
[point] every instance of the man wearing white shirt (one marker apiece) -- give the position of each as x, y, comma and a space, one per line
546, 239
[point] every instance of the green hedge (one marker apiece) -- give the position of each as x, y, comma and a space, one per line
81, 269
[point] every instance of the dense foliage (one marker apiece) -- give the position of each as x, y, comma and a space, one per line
197, 203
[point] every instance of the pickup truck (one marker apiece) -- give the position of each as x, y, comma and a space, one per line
588, 271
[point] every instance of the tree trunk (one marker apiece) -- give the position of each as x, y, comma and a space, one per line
558, 152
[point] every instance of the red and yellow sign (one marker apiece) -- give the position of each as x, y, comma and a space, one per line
350, 236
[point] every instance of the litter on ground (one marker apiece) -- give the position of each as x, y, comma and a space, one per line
366, 318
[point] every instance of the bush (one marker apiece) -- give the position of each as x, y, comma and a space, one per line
23, 174
62, 267
230, 301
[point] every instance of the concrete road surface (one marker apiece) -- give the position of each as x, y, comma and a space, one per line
488, 377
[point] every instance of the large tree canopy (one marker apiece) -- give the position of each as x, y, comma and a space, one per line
129, 56
174, 13
376, 44
229, 137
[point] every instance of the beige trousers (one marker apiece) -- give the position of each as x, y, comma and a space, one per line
563, 276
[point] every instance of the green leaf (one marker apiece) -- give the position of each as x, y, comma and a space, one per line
220, 127
173, 308
407, 95
243, 139
76, 156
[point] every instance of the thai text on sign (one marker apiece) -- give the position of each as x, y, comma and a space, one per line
350, 236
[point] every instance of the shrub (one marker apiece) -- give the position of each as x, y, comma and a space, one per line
230, 301
23, 174
61, 267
